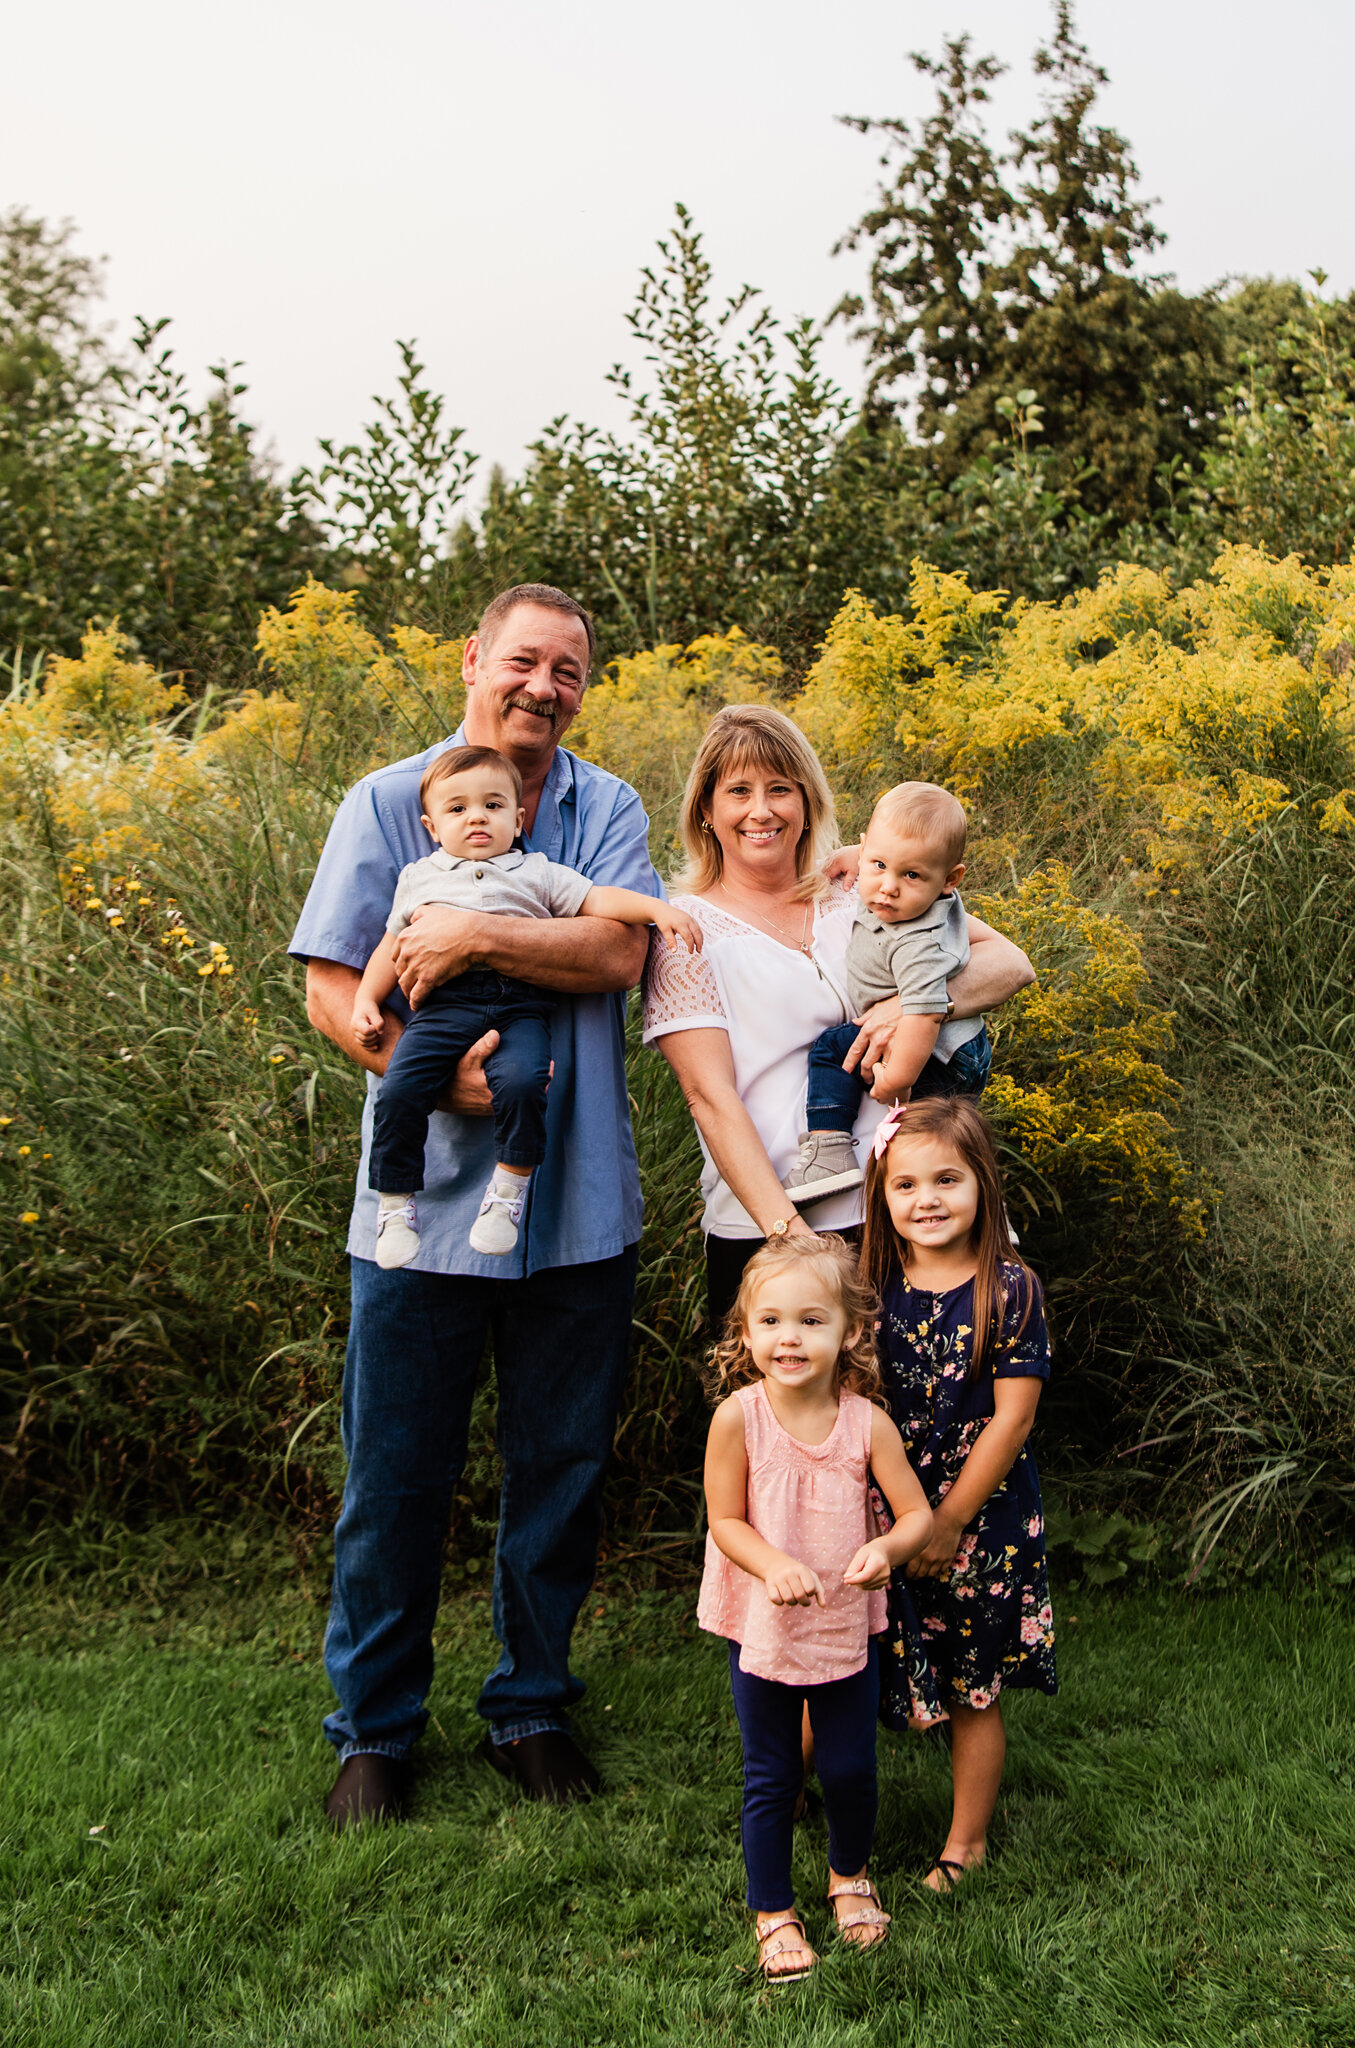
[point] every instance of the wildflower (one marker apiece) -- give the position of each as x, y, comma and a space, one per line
114, 919
5, 1120
276, 1059
24, 1151
29, 1216
210, 968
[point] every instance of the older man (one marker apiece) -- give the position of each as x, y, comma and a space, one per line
558, 1309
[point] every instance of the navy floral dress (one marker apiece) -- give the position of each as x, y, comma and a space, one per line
990, 1624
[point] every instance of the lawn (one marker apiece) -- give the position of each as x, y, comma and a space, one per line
1172, 1861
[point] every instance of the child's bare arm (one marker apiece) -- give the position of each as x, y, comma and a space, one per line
983, 1471
899, 1483
378, 980
912, 1046
788, 1582
627, 906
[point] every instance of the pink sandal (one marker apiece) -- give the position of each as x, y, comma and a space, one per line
872, 1915
766, 1955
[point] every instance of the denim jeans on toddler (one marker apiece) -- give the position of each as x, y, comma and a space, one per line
442, 1029
842, 1714
835, 1095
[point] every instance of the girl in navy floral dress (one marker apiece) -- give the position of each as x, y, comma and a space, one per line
964, 1352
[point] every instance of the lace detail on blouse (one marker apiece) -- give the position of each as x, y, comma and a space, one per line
680, 985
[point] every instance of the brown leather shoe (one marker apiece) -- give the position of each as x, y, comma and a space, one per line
550, 1766
368, 1788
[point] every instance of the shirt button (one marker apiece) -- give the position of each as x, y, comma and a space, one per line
479, 874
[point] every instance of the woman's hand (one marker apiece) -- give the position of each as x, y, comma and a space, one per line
871, 1044
937, 1558
792, 1584
869, 1568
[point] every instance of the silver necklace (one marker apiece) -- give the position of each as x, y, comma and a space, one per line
802, 945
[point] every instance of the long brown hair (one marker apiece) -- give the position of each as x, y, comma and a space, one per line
953, 1120
858, 1372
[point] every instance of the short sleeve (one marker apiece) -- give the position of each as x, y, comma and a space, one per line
1022, 1349
399, 910
681, 992
350, 897
565, 889
921, 968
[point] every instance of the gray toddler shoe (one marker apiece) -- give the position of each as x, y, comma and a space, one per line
826, 1166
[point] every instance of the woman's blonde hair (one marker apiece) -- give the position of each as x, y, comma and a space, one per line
754, 736
731, 1362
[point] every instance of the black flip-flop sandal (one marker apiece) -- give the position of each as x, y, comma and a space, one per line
951, 1873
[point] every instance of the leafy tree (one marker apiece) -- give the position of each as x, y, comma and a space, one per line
998, 271
120, 498
388, 499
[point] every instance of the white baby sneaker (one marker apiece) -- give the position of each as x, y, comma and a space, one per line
826, 1166
495, 1229
397, 1231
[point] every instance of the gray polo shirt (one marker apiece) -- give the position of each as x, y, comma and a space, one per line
512, 884
913, 961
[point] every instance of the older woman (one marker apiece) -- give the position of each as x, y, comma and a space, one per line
735, 1021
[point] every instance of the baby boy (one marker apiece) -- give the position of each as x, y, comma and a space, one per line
909, 937
471, 799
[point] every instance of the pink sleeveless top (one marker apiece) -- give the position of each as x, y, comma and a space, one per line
809, 1500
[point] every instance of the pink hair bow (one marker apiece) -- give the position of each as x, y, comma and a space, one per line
888, 1128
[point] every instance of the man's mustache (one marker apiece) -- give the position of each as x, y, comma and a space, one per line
535, 706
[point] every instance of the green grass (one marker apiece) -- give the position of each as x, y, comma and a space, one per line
1171, 1861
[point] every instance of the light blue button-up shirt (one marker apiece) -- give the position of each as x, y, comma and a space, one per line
584, 1200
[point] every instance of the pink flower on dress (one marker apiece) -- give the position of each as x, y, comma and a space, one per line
1034, 1526
979, 1697
1046, 1616
1031, 1632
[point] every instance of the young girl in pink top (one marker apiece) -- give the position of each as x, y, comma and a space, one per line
796, 1570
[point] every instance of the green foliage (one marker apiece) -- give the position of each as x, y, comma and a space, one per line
994, 271
121, 497
390, 497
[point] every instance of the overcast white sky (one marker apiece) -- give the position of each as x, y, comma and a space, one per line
297, 183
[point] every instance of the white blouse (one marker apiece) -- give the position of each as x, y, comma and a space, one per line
771, 1001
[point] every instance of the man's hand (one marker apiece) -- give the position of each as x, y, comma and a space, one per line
869, 1568
792, 1584
467, 1093
675, 925
368, 1023
435, 945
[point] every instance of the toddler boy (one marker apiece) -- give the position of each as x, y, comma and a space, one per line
471, 800
909, 937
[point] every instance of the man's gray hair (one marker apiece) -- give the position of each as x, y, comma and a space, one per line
498, 608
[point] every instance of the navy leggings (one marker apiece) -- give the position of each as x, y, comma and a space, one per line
444, 1027
842, 1715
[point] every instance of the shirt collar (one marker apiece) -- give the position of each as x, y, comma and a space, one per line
512, 859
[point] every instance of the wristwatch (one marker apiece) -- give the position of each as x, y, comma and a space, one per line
950, 1009
779, 1228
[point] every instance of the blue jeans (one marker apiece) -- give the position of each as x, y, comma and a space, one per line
440, 1031
835, 1095
561, 1341
842, 1715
